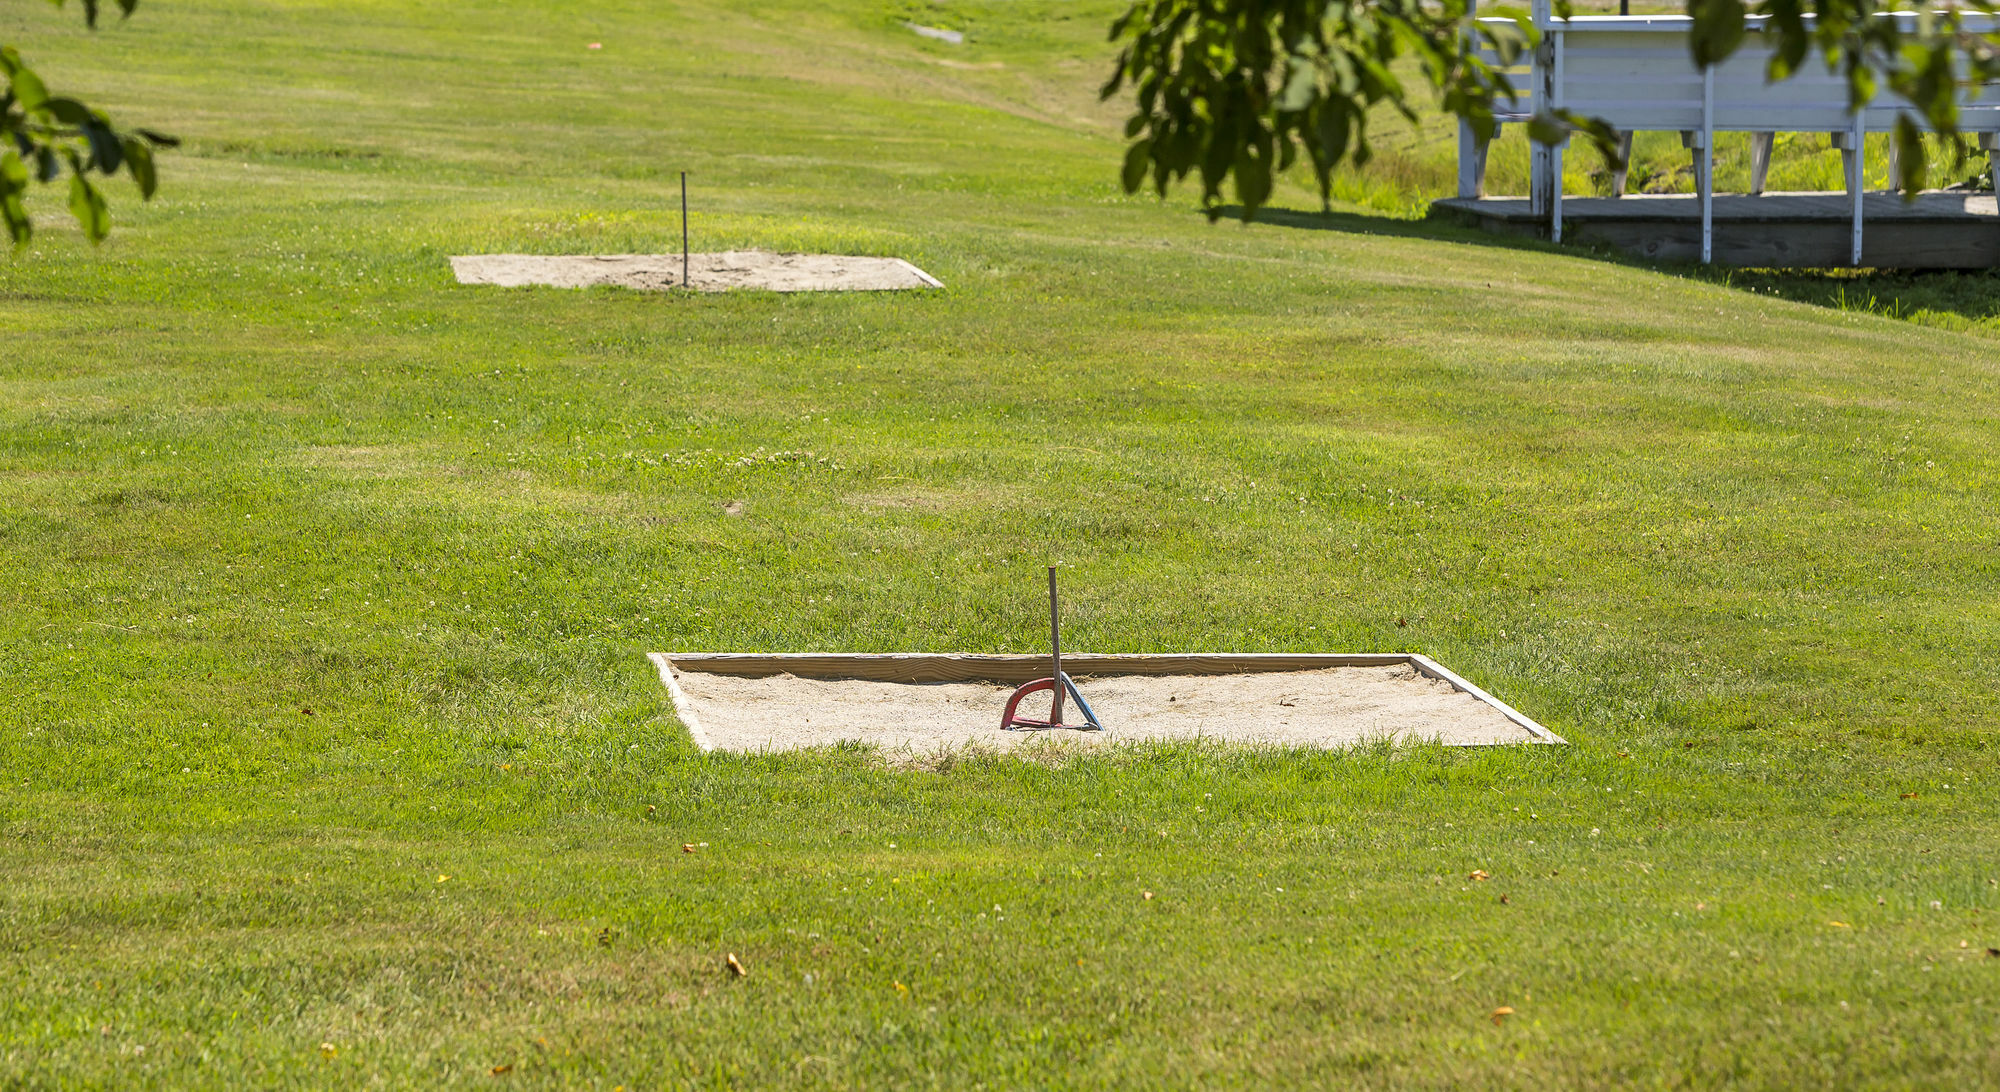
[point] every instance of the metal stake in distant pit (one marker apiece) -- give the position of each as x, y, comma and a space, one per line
1058, 684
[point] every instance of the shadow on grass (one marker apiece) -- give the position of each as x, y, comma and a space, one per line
1444, 225
1950, 299
1438, 225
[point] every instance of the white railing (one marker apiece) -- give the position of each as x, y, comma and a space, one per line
1635, 73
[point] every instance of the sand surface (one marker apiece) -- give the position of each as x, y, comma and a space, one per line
1332, 707
706, 272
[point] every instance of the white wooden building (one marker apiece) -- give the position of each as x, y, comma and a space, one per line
1636, 73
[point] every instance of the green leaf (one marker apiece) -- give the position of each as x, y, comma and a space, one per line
1116, 83
1136, 158
1601, 135
14, 180
1860, 87
1911, 166
1330, 133
139, 159
1506, 47
1301, 86
68, 111
16, 215
1546, 128
105, 152
1717, 31
29, 90
87, 205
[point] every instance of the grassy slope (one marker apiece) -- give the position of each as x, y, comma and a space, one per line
259, 456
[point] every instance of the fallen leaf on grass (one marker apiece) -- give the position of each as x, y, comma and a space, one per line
1478, 874
687, 847
735, 966
1145, 894
1907, 796
499, 1069
1504, 900
1624, 754
1500, 1014
1840, 925
900, 988
442, 877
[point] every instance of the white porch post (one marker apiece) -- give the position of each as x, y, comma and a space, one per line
1855, 162
1619, 176
1760, 160
1556, 152
1705, 175
1471, 153
1541, 183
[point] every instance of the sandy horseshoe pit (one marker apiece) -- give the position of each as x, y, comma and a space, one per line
923, 703
723, 272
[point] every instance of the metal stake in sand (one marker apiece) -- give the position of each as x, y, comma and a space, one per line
1055, 651
684, 231
1057, 683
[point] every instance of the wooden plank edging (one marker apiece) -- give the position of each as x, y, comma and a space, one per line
683, 708
925, 277
935, 667
1437, 670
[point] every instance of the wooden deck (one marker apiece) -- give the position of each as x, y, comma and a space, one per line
1939, 230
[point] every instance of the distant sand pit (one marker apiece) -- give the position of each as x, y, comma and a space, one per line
732, 269
1333, 706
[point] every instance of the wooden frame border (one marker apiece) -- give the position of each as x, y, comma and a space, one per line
925, 277
938, 667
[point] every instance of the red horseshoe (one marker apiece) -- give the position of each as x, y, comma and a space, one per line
1008, 720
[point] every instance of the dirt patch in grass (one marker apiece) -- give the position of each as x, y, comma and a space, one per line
1332, 707
733, 269
926, 499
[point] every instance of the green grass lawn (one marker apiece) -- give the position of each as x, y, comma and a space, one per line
330, 755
